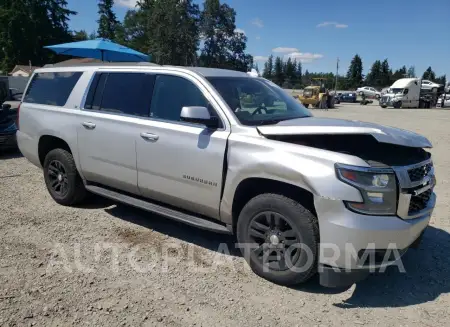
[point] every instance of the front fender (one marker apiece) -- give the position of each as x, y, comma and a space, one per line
308, 168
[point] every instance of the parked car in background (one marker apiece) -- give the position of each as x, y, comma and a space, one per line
429, 85
8, 128
385, 90
368, 91
441, 100
348, 97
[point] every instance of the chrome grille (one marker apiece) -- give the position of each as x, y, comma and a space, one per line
419, 173
419, 202
416, 184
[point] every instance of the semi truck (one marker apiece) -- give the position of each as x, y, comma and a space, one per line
408, 93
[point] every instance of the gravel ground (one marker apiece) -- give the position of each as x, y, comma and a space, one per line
107, 264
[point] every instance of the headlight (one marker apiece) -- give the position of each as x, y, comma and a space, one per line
378, 189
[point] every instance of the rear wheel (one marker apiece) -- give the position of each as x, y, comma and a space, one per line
280, 239
62, 179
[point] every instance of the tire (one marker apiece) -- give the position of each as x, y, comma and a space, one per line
361, 93
383, 107
297, 225
60, 169
377, 96
397, 105
306, 105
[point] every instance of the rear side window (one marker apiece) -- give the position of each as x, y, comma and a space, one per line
51, 88
123, 93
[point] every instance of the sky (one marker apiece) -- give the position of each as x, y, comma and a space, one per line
317, 32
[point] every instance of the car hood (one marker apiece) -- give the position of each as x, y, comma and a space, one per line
323, 126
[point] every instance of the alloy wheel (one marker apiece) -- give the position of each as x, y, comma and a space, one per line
275, 237
59, 182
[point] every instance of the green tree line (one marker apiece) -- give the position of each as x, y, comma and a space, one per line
173, 32
288, 74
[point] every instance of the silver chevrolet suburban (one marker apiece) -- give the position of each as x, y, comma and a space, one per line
232, 153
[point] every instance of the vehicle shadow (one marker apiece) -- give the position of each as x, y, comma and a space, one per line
10, 154
206, 239
427, 268
427, 276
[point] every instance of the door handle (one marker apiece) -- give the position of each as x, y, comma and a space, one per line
89, 125
150, 137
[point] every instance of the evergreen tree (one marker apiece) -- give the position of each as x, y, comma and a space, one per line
107, 22
441, 80
27, 26
168, 30
268, 68
400, 73
289, 73
386, 74
354, 74
412, 72
278, 71
429, 74
223, 47
79, 35
306, 78
298, 74
373, 78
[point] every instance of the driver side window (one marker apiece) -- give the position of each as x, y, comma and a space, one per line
172, 93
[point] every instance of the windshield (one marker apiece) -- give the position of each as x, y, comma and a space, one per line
256, 101
395, 91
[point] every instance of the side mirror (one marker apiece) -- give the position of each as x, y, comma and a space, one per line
199, 115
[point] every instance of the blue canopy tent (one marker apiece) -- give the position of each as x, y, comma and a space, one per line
102, 49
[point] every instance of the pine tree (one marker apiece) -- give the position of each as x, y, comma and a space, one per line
299, 74
386, 74
289, 73
354, 74
223, 47
400, 73
412, 72
429, 74
107, 22
27, 26
278, 71
373, 78
79, 35
268, 68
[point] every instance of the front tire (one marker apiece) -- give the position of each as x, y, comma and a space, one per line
62, 179
277, 226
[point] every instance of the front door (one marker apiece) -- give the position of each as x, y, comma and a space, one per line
181, 163
108, 125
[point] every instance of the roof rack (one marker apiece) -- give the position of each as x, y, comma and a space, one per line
109, 64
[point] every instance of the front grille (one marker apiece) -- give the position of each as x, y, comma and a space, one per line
419, 202
417, 174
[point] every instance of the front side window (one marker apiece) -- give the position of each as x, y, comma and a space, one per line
122, 93
171, 94
257, 101
51, 88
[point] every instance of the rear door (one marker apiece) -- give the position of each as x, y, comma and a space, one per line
116, 104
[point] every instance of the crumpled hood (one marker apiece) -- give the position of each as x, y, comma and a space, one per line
323, 126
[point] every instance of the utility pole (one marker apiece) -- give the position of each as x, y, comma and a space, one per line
337, 72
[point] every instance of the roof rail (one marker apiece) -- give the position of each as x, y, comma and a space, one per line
109, 64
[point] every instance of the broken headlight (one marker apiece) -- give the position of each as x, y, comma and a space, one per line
378, 189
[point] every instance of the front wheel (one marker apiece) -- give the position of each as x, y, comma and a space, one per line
62, 179
279, 238
306, 105
377, 96
397, 105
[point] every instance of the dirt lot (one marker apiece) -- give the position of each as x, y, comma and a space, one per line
106, 264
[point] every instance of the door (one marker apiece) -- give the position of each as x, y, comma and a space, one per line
181, 163
115, 106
